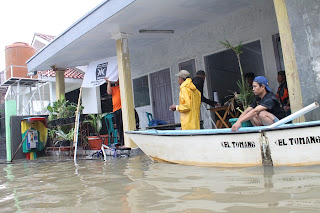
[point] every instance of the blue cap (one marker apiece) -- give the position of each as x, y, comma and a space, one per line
262, 80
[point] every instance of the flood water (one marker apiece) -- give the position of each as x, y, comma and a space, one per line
137, 184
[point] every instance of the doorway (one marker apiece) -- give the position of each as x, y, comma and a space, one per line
162, 95
223, 70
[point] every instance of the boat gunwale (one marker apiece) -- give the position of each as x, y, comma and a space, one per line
205, 132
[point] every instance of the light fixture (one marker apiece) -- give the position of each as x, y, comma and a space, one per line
156, 31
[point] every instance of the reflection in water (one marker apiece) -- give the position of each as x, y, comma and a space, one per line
139, 185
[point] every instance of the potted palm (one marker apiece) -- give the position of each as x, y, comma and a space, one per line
95, 121
245, 95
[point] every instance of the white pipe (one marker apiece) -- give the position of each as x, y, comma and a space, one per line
7, 93
18, 99
295, 115
76, 127
104, 153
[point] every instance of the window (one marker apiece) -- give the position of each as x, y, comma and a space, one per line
141, 91
189, 66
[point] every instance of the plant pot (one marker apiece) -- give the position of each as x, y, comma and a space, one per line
51, 123
72, 119
82, 117
63, 146
243, 124
105, 139
95, 142
62, 121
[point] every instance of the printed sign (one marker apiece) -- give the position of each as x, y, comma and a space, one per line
98, 70
298, 141
101, 71
240, 144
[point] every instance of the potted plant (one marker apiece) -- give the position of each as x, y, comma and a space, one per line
63, 111
95, 121
245, 95
64, 139
52, 135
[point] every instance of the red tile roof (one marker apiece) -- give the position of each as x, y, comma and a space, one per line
69, 73
45, 37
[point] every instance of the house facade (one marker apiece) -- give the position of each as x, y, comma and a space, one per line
153, 40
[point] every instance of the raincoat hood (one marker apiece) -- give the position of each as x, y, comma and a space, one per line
188, 83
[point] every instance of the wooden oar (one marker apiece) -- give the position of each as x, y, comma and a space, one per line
20, 144
295, 115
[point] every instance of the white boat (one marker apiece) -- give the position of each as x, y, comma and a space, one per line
290, 144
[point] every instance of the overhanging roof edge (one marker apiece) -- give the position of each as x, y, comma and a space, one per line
96, 16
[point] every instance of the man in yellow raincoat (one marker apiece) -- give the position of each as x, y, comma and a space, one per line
190, 100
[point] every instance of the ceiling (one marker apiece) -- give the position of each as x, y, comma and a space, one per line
91, 38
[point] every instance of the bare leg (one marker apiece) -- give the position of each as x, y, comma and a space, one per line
255, 121
266, 118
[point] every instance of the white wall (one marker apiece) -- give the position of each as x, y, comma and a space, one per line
91, 100
257, 22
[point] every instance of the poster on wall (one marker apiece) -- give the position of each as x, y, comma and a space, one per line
98, 70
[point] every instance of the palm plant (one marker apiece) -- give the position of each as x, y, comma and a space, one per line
246, 95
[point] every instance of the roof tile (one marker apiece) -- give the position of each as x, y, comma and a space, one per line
69, 73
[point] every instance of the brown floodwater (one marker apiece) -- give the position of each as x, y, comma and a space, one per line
137, 184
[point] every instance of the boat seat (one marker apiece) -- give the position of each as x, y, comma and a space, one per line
112, 132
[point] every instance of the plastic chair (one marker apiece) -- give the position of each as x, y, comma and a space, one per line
112, 132
150, 118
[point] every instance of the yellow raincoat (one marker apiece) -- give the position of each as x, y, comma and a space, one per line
189, 108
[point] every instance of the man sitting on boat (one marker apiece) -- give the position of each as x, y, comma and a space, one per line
190, 100
265, 109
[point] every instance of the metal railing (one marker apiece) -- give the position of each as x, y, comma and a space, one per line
4, 73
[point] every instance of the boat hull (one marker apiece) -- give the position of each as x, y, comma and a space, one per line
294, 146
290, 145
206, 150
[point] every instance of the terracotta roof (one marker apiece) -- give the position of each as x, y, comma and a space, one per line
69, 73
45, 37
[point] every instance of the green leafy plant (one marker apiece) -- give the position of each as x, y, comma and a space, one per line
52, 134
62, 108
246, 95
95, 121
61, 135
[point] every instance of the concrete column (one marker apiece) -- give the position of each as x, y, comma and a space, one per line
125, 83
60, 83
289, 58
